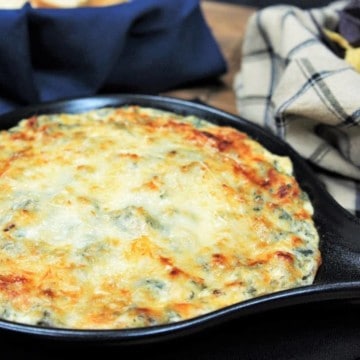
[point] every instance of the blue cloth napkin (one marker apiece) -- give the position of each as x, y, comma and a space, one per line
144, 46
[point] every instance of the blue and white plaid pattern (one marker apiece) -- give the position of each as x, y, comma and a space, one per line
293, 84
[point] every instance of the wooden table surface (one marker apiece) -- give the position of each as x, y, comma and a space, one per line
227, 23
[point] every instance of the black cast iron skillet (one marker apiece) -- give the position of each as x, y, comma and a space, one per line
337, 279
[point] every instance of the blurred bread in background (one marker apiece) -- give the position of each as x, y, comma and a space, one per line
57, 4
105, 2
12, 4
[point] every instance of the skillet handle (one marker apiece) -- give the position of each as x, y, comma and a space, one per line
339, 242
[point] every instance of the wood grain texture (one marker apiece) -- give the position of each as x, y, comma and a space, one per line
227, 23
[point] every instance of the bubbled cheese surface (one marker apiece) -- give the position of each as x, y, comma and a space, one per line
129, 217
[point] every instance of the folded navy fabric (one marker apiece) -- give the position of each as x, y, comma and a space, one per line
140, 47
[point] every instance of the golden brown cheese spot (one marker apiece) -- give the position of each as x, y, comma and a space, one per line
11, 282
32, 123
185, 310
142, 247
251, 175
129, 217
286, 256
219, 260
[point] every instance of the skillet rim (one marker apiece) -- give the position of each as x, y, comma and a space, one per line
342, 289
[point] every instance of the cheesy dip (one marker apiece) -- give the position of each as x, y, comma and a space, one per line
129, 217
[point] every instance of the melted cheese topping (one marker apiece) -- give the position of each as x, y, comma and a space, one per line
129, 217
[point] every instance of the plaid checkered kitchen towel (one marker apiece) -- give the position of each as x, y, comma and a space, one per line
291, 83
